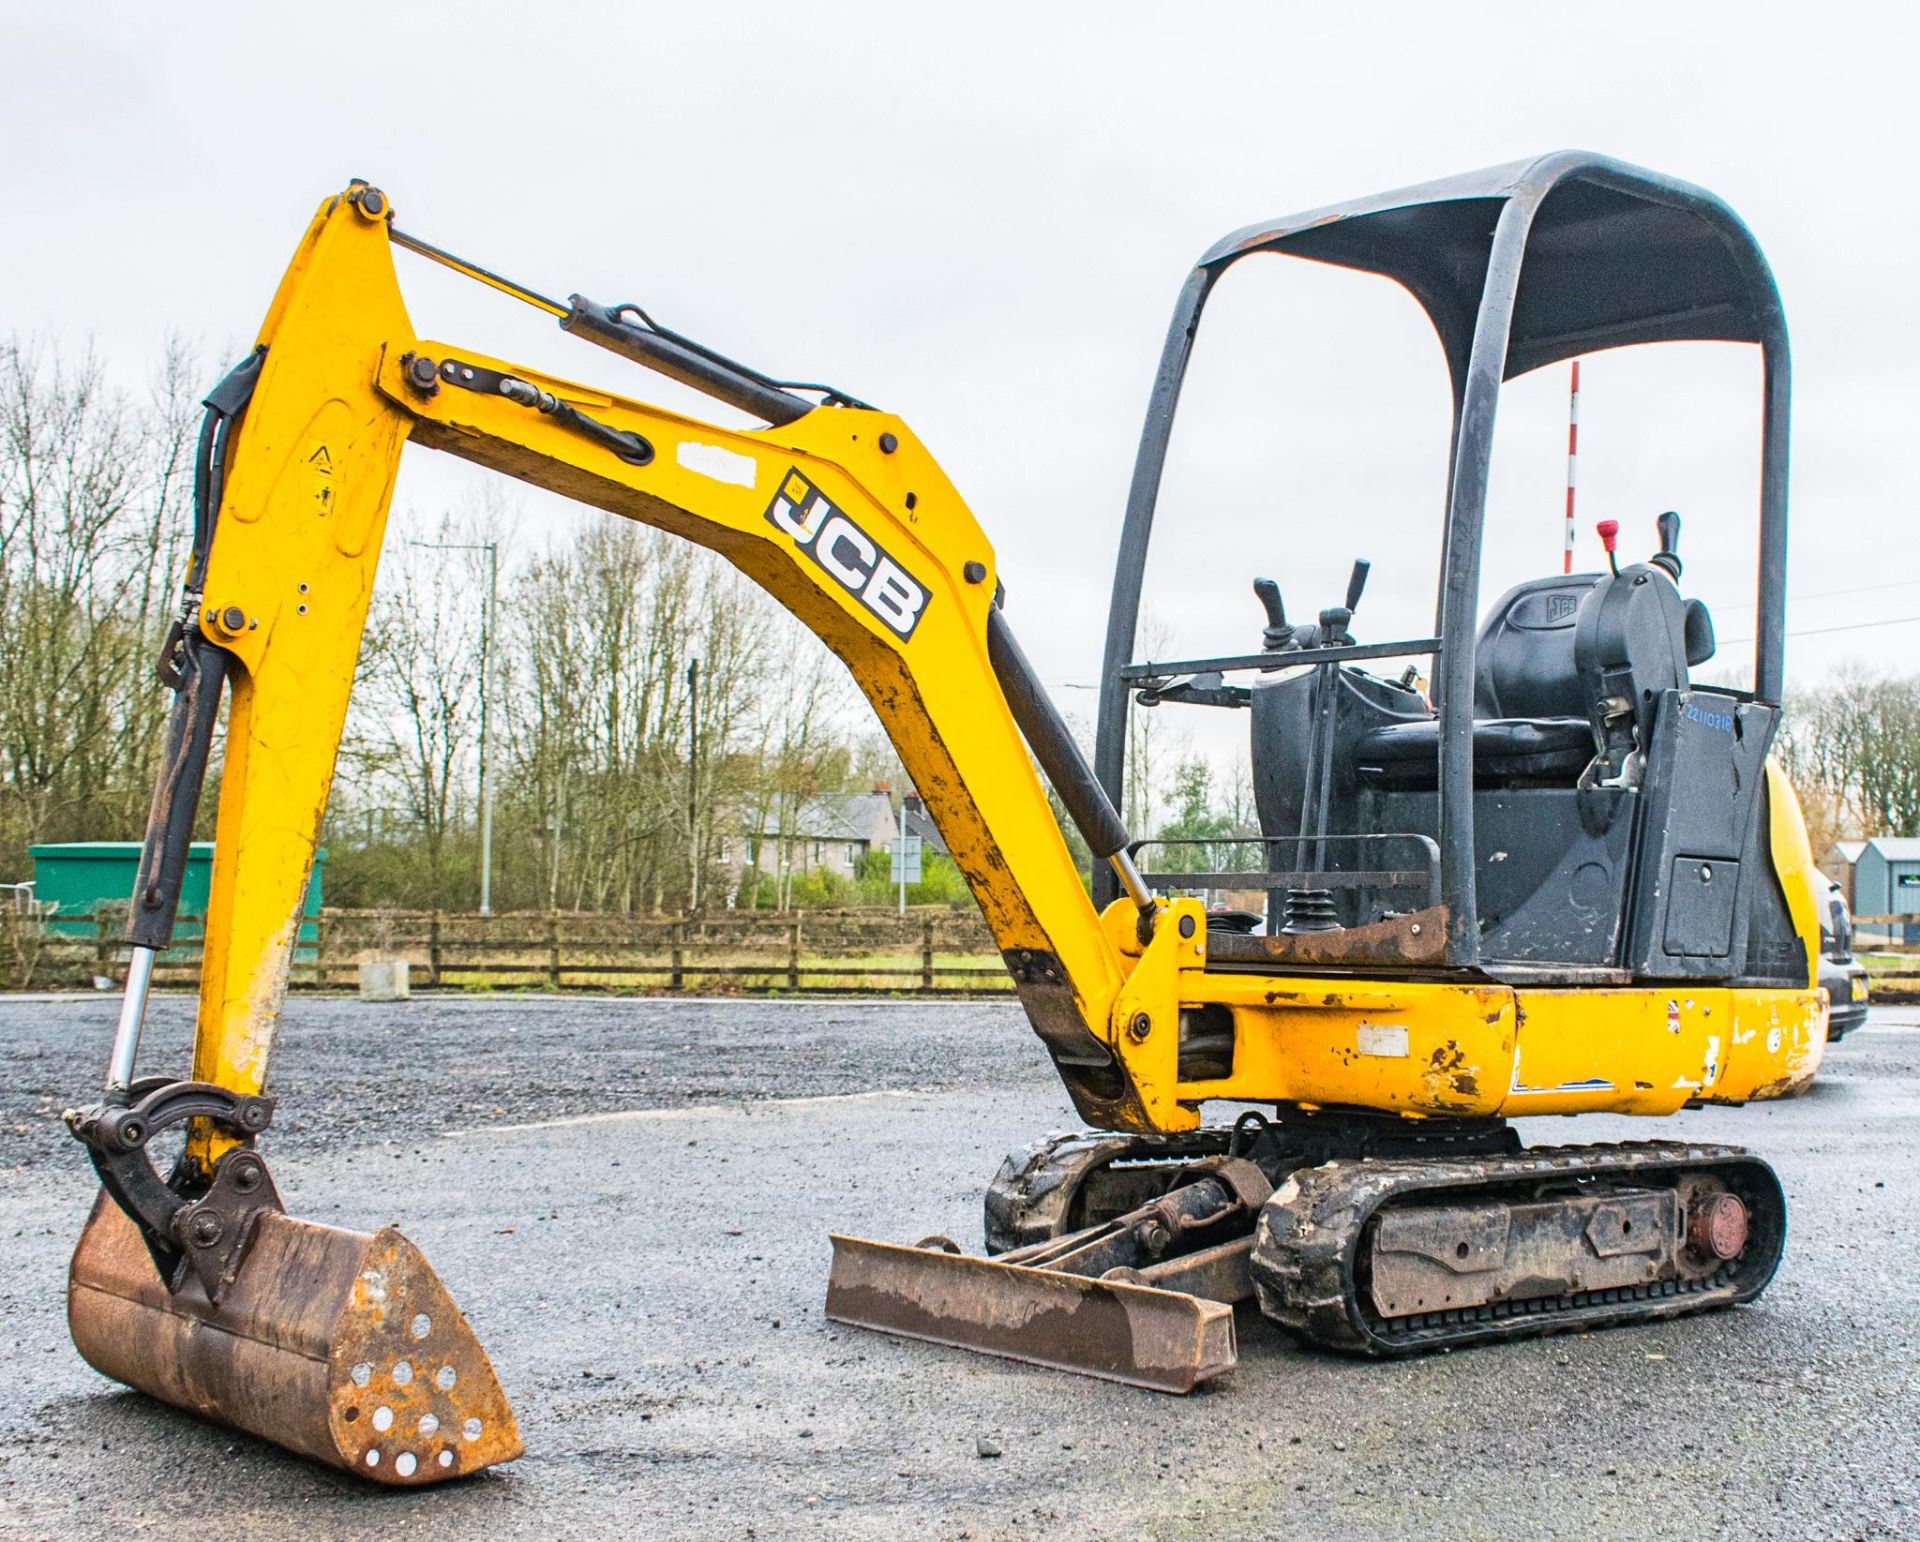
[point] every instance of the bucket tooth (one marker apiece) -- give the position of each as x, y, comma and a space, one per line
340, 1345
1163, 1340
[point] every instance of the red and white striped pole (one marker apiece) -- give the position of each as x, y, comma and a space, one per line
1573, 448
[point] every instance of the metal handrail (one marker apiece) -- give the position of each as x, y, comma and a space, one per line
1299, 877
1291, 658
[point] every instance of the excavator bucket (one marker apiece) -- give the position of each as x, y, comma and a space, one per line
336, 1344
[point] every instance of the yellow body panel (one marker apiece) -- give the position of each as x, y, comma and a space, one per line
1793, 864
311, 473
1430, 1049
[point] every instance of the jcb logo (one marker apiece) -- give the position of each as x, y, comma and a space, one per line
847, 552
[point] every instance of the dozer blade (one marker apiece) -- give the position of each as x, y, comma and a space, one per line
1159, 1339
336, 1344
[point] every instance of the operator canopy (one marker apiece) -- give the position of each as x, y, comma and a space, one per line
1517, 267
1615, 255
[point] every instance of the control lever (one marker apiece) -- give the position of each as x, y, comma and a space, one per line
1357, 583
1609, 532
1277, 635
1335, 619
1667, 559
1310, 908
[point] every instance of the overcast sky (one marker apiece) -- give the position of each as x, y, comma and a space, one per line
978, 216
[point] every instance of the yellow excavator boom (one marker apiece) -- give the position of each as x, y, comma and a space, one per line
841, 515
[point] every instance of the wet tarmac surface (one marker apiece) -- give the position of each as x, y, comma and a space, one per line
630, 1200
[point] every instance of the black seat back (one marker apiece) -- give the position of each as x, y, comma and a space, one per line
1523, 663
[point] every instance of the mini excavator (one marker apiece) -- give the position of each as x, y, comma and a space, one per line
1568, 879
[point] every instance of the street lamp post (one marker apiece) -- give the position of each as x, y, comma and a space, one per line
693, 784
492, 549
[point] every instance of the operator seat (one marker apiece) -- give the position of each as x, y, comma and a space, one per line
1530, 719
1567, 669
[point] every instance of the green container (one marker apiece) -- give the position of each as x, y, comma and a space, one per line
76, 876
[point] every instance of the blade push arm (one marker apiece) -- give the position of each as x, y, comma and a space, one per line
841, 515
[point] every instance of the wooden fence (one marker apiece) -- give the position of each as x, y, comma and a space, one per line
927, 951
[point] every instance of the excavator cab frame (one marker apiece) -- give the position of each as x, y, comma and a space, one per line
1517, 267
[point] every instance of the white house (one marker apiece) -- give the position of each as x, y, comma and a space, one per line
831, 834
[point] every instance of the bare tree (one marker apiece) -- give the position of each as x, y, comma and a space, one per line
805, 755
420, 678
1859, 739
1148, 749
600, 726
93, 495
735, 624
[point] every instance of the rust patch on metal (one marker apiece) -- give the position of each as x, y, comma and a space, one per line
1445, 1258
1280, 995
1716, 1226
1222, 1272
1417, 938
1448, 1076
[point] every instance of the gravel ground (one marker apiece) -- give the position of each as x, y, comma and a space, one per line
681, 1380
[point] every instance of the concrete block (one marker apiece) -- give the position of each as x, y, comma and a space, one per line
383, 979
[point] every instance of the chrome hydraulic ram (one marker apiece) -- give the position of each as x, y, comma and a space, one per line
201, 670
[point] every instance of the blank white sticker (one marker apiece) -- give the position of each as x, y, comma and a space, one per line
711, 460
1388, 1040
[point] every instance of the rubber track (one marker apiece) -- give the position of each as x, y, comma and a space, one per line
1309, 1234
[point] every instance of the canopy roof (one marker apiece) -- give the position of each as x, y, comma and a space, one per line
1615, 255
